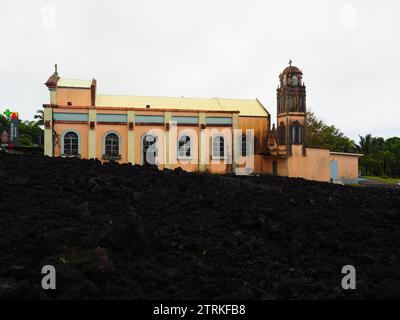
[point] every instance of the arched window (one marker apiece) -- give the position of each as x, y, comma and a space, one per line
111, 143
278, 105
295, 80
184, 147
302, 105
282, 134
281, 105
149, 149
244, 146
297, 133
291, 103
71, 144
218, 147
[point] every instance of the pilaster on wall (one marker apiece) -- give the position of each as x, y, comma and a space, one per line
131, 138
48, 132
288, 137
167, 119
53, 96
305, 135
235, 151
92, 135
202, 143
288, 162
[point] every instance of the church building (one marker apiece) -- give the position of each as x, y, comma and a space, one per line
214, 135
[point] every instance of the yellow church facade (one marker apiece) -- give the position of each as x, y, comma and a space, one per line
221, 136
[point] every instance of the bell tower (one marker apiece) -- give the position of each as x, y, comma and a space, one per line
291, 110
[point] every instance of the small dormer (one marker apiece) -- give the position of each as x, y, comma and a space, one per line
71, 92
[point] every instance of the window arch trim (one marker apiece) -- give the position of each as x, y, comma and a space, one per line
119, 144
292, 108
213, 155
142, 146
282, 134
297, 133
62, 142
244, 146
184, 157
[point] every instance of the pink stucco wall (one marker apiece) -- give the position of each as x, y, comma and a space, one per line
313, 166
78, 97
121, 130
191, 164
347, 165
81, 129
101, 129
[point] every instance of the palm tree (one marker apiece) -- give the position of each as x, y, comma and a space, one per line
40, 117
30, 123
369, 144
365, 144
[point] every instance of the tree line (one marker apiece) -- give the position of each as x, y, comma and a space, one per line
381, 157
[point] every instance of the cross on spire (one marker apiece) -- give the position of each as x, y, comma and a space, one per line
56, 69
290, 62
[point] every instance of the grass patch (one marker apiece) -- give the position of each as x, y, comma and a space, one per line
385, 180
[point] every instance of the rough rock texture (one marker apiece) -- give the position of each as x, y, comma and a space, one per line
122, 231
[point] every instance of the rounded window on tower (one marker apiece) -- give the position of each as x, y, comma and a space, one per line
295, 80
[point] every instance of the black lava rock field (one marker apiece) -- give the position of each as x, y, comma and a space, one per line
130, 232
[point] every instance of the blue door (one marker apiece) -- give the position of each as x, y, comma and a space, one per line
334, 169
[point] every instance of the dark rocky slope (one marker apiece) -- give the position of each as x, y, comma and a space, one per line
122, 231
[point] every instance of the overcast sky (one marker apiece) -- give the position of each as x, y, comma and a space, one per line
349, 52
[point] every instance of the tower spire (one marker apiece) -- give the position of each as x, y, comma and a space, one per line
291, 110
55, 70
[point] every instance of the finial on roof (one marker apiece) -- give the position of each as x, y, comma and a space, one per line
290, 62
55, 70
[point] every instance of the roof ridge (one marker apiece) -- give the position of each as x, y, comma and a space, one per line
220, 104
175, 97
262, 106
239, 99
141, 96
63, 78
